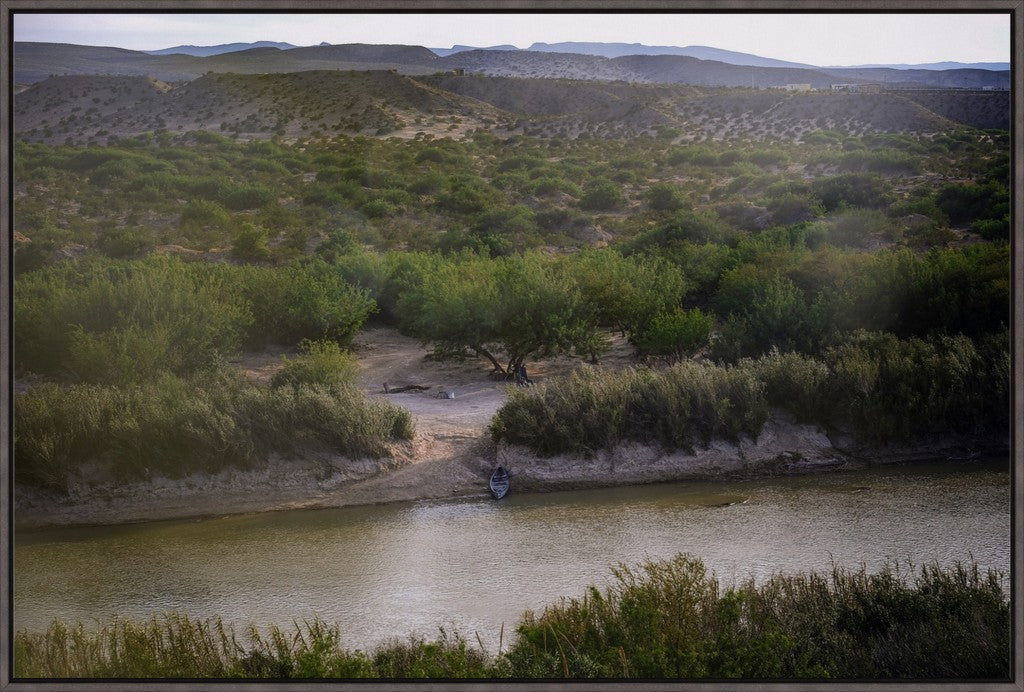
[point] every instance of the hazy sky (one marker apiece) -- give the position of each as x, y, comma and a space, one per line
819, 39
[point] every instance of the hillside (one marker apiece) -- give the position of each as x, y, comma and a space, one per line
501, 63
384, 103
256, 106
948, 79
219, 48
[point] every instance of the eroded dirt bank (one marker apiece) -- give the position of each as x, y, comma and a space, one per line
452, 455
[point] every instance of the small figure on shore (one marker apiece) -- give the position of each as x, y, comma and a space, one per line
521, 376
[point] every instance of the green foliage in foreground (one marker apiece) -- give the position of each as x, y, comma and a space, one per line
173, 427
884, 387
659, 620
672, 619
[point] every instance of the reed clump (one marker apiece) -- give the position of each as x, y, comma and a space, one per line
669, 619
880, 386
175, 426
689, 404
672, 619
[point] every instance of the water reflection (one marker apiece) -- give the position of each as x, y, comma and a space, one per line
400, 569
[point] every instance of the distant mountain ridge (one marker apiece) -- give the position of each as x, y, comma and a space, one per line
992, 66
609, 50
35, 62
205, 51
457, 48
618, 50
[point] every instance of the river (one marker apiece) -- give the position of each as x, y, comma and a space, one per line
475, 565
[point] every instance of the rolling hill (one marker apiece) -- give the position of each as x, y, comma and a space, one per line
290, 105
385, 103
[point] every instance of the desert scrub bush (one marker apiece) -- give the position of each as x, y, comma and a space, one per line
122, 321
868, 190
172, 427
689, 404
318, 362
792, 381
602, 194
303, 300
892, 388
857, 227
250, 243
674, 619
889, 161
124, 241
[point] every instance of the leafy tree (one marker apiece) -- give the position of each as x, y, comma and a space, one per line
627, 292
525, 305
456, 307
790, 208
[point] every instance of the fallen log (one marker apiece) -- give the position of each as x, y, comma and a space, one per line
406, 388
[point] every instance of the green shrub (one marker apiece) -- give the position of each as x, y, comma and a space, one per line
250, 243
679, 334
173, 427
672, 619
124, 321
249, 197
891, 388
124, 242
601, 194
319, 363
590, 409
308, 300
793, 382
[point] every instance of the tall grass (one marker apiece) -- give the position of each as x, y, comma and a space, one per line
669, 619
689, 404
173, 426
883, 387
672, 619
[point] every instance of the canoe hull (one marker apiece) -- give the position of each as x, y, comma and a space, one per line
499, 483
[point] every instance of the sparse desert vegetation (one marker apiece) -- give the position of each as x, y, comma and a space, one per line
162, 254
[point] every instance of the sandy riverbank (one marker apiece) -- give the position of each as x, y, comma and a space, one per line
451, 455
782, 448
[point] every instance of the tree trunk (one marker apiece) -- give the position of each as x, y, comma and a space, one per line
480, 351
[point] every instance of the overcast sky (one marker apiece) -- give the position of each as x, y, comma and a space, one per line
818, 39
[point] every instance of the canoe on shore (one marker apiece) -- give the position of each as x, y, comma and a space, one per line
499, 483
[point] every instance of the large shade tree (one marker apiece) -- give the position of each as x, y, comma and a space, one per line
524, 306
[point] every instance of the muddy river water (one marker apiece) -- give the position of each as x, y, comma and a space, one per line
393, 570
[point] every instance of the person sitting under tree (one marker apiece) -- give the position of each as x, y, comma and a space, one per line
521, 376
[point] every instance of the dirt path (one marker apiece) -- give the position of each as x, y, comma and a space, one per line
452, 452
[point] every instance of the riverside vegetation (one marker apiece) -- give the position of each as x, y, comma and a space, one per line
658, 620
858, 281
